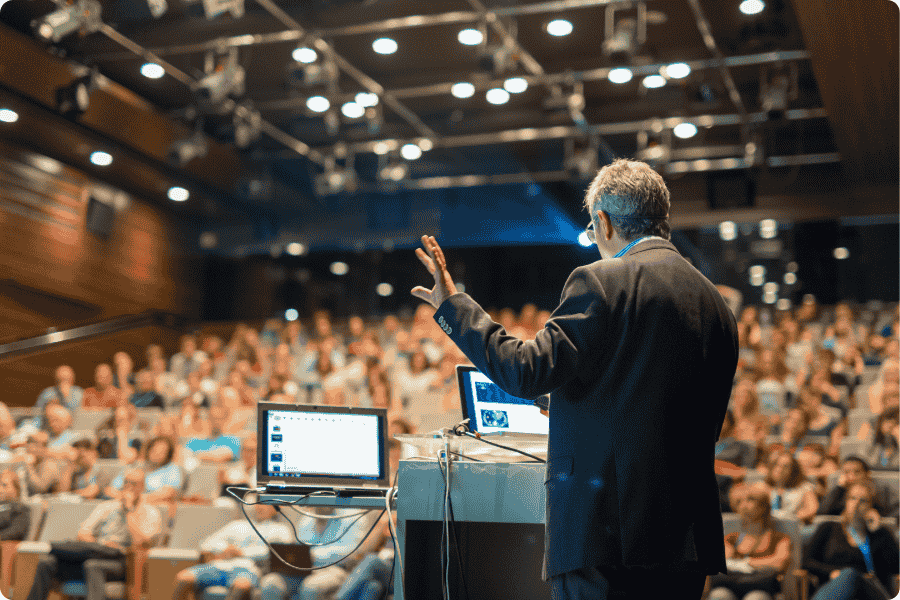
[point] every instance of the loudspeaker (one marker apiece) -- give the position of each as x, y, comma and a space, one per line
100, 218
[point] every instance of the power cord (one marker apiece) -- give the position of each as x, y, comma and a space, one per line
462, 429
455, 535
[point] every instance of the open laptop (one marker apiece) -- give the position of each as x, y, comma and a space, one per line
304, 448
491, 411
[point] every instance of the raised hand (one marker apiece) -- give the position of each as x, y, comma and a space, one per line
436, 264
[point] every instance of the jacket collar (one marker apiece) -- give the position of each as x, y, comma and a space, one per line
653, 244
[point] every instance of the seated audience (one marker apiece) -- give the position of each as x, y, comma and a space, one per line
217, 447
791, 496
123, 374
145, 394
15, 517
187, 359
733, 457
59, 431
816, 465
80, 475
890, 398
412, 384
190, 423
882, 450
242, 473
42, 473
239, 417
163, 477
824, 421
103, 394
246, 393
756, 553
855, 470
113, 528
792, 437
64, 393
888, 375
194, 392
120, 436
855, 558
239, 555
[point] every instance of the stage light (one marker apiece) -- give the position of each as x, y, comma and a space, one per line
384, 46
318, 104
515, 85
410, 151
752, 7
367, 99
463, 89
676, 70
304, 55
757, 271
296, 249
152, 71
101, 159
339, 268
425, 144
470, 37
685, 130
335, 180
352, 110
770, 298
227, 78
841, 253
8, 116
497, 96
178, 194
768, 228
583, 239
69, 19
770, 287
72, 100
384, 289
559, 27
291, 314
157, 7
654, 81
727, 230
620, 75
790, 278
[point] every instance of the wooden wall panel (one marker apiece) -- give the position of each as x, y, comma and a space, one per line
45, 246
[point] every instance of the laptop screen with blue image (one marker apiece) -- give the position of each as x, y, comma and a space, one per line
491, 410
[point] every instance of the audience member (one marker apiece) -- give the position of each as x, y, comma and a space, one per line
120, 436
15, 517
816, 465
756, 553
80, 475
41, 472
791, 496
239, 555
163, 478
882, 450
103, 394
145, 394
59, 431
123, 375
888, 375
733, 457
855, 470
217, 447
99, 554
414, 383
246, 393
64, 393
190, 423
194, 392
855, 558
750, 425
187, 359
242, 473
824, 421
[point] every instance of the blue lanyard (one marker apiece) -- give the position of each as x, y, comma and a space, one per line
622, 252
864, 548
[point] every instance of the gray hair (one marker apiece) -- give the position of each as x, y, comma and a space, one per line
634, 196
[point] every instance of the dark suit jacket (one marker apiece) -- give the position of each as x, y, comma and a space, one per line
639, 359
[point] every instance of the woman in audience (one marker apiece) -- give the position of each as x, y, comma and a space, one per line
888, 376
791, 496
882, 452
750, 425
415, 383
816, 466
873, 351
855, 558
246, 394
153, 352
80, 476
119, 436
855, 469
163, 477
756, 553
824, 421
123, 377
190, 424
64, 393
187, 359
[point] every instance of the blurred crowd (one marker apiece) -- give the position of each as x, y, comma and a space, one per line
811, 431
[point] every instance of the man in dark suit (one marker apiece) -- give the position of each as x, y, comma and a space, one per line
639, 359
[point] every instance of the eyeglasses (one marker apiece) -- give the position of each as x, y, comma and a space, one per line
589, 230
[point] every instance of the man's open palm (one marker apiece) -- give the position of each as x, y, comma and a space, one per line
433, 259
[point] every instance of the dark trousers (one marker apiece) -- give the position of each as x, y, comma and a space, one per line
602, 583
96, 572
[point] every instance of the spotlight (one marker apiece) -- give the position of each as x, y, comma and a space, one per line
384, 46
463, 89
559, 27
751, 7
685, 130
515, 85
101, 159
157, 8
296, 248
227, 78
152, 71
178, 194
311, 75
497, 96
84, 14
366, 99
184, 151
340, 268
72, 100
676, 70
318, 104
8, 116
620, 75
352, 110
654, 81
410, 151
384, 289
304, 55
470, 37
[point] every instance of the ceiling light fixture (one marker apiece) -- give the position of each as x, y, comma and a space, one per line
425, 144
676, 70
685, 130
463, 89
410, 151
559, 27
366, 99
178, 194
752, 7
620, 75
497, 96
101, 159
152, 71
304, 55
67, 20
8, 116
654, 81
352, 110
384, 46
318, 104
470, 37
515, 85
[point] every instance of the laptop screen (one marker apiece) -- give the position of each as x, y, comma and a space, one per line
321, 446
491, 410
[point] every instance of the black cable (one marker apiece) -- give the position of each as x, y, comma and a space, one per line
464, 456
272, 550
466, 433
456, 534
